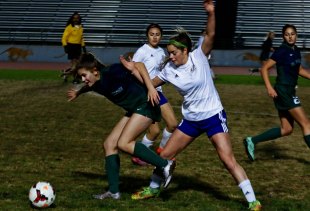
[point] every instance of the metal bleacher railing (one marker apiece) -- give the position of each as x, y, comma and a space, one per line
119, 22
109, 22
256, 17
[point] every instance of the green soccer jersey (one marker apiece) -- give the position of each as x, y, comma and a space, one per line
288, 61
118, 85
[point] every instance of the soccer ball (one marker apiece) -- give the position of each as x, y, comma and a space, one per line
42, 194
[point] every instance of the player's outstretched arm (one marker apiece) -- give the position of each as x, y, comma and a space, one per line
207, 43
72, 94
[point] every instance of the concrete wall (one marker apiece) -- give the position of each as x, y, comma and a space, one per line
109, 55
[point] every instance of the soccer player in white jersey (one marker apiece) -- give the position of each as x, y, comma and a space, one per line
152, 55
202, 109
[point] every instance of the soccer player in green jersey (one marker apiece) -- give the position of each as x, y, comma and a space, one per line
134, 92
287, 59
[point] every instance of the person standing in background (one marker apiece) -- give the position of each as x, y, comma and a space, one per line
152, 55
73, 43
267, 47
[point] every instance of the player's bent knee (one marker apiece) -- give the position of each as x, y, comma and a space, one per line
171, 128
108, 146
124, 147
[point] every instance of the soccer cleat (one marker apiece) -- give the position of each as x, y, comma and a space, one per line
253, 70
249, 147
108, 195
167, 172
255, 206
138, 161
159, 149
146, 193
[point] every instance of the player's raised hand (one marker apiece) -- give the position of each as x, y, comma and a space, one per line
130, 65
208, 5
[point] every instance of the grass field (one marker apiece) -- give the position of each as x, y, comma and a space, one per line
45, 138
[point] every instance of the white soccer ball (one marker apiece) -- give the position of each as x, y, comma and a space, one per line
42, 194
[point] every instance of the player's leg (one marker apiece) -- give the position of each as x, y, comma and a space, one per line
153, 132
137, 124
177, 142
171, 123
74, 73
151, 135
222, 144
301, 118
112, 161
148, 140
71, 56
287, 126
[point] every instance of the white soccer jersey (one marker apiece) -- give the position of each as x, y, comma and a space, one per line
194, 82
152, 58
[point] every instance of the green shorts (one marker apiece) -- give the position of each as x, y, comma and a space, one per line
146, 109
287, 98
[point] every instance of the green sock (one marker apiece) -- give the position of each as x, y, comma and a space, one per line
146, 154
270, 134
307, 140
112, 166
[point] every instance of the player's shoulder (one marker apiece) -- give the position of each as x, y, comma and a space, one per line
143, 48
161, 50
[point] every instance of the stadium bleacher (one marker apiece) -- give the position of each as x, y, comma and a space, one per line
256, 17
121, 22
105, 22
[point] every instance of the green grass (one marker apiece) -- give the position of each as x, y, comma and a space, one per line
44, 137
29, 74
54, 75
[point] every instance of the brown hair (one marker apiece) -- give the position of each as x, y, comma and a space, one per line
88, 61
286, 26
181, 40
153, 25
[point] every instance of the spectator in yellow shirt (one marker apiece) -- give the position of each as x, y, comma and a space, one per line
73, 43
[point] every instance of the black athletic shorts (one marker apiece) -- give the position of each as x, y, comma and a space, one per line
146, 109
74, 51
287, 98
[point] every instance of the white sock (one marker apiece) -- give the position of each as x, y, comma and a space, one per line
165, 138
155, 181
247, 190
147, 142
